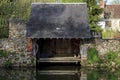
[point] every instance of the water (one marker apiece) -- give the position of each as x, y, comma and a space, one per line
59, 73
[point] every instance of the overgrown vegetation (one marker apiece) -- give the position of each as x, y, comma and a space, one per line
4, 55
111, 56
5, 12
110, 60
93, 56
108, 34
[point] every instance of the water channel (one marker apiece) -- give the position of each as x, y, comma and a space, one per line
59, 73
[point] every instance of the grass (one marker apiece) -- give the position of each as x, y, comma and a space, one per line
108, 34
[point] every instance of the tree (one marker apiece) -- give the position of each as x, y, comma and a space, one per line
94, 12
65, 1
5, 13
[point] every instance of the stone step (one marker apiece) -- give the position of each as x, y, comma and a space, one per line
60, 59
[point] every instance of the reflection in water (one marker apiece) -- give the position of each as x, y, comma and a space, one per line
17, 74
58, 73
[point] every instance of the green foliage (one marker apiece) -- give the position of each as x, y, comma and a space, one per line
4, 53
5, 13
5, 7
107, 34
94, 11
111, 56
21, 9
66, 1
93, 56
117, 61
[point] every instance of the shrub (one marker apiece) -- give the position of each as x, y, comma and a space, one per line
93, 55
110, 56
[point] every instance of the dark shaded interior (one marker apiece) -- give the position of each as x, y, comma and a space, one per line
57, 47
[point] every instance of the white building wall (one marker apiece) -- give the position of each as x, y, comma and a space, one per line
115, 24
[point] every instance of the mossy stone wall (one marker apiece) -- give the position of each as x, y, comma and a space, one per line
16, 45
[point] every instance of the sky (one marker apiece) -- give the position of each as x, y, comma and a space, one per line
109, 1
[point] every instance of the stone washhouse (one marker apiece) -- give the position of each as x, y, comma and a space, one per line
56, 32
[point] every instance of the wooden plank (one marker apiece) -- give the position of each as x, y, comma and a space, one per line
60, 59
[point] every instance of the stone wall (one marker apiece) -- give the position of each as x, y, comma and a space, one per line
17, 40
108, 45
16, 44
104, 46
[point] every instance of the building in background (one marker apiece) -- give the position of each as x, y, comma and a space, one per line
110, 20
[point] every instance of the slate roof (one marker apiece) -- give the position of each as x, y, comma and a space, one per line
53, 20
112, 11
